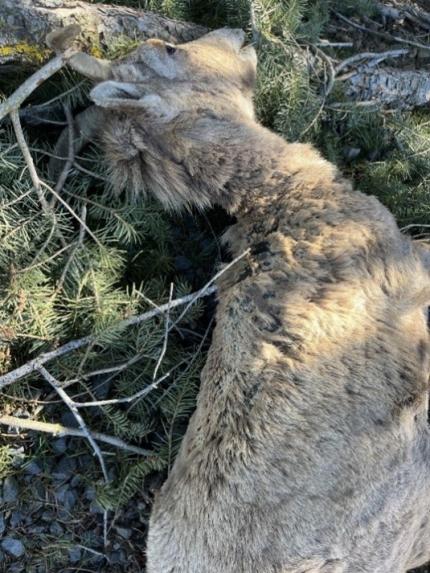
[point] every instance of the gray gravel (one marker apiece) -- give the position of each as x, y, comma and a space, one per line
2, 524
10, 490
14, 547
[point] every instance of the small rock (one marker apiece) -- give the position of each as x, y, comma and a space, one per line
38, 490
75, 554
56, 529
95, 507
66, 497
10, 490
65, 469
118, 557
101, 387
18, 456
69, 420
36, 530
47, 516
16, 568
90, 493
16, 519
13, 547
125, 532
2, 524
33, 468
60, 445
76, 480
351, 153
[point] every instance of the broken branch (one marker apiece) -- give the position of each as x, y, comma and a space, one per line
59, 430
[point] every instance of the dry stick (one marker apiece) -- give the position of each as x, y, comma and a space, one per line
72, 212
166, 335
379, 57
37, 183
207, 288
79, 167
385, 35
414, 225
59, 430
141, 394
41, 263
72, 254
33, 82
33, 365
327, 89
189, 300
328, 44
11, 105
70, 156
151, 303
71, 405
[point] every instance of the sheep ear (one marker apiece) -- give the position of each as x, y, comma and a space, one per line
127, 96
93, 68
62, 38
249, 54
235, 37
424, 253
115, 95
249, 58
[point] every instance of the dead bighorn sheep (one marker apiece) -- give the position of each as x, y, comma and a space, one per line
309, 450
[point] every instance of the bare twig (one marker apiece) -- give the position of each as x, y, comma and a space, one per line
256, 34
35, 265
166, 334
37, 183
70, 156
59, 430
14, 115
415, 226
208, 289
385, 35
328, 87
71, 405
328, 44
72, 212
72, 254
141, 394
32, 365
188, 300
97, 451
376, 57
33, 82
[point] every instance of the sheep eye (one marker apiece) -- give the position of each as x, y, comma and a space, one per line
428, 317
170, 49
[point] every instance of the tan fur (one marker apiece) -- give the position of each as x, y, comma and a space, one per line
309, 448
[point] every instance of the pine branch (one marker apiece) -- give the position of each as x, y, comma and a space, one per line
188, 300
33, 365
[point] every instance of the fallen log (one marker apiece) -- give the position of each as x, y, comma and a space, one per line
391, 88
24, 25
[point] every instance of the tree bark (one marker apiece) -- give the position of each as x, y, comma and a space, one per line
24, 25
391, 88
